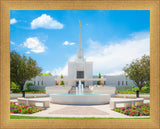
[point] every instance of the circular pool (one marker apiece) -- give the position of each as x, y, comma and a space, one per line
80, 99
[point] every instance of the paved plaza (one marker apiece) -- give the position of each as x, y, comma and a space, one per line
99, 111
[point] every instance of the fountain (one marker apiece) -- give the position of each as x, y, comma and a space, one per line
80, 98
79, 89
83, 69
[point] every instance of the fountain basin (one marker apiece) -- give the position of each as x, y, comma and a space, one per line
80, 99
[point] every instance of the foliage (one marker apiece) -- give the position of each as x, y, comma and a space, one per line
144, 90
99, 75
134, 89
32, 91
129, 92
29, 84
143, 110
99, 82
16, 90
14, 87
61, 83
61, 76
46, 74
22, 69
139, 71
15, 108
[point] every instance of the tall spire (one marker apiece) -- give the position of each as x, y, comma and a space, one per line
80, 51
80, 38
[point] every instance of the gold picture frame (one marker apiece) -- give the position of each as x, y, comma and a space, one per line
7, 5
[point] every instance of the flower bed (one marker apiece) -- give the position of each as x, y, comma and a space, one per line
15, 108
143, 110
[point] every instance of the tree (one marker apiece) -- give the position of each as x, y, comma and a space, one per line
139, 71
99, 82
61, 82
22, 69
61, 76
46, 74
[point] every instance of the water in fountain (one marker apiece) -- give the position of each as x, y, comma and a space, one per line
79, 90
76, 90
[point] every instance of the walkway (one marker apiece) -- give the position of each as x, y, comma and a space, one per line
57, 110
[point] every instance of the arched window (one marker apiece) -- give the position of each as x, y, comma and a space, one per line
122, 83
38, 83
126, 83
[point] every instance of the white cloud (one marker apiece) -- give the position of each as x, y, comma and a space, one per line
110, 59
28, 52
68, 43
47, 72
59, 71
34, 45
13, 21
47, 22
12, 42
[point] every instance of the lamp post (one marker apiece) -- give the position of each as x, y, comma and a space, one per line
23, 93
137, 93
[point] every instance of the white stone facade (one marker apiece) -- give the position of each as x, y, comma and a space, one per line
86, 67
110, 80
80, 68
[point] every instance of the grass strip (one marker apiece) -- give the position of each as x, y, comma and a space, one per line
35, 117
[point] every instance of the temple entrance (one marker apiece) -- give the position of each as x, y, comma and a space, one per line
80, 74
81, 82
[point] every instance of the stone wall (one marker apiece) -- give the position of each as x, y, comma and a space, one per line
37, 87
57, 89
123, 87
104, 90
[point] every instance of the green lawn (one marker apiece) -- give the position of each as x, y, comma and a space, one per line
33, 117
129, 92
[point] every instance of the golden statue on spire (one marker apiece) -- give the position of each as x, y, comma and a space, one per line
80, 23
80, 38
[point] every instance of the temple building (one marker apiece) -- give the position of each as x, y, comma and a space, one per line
82, 70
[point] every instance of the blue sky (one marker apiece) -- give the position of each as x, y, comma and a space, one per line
110, 39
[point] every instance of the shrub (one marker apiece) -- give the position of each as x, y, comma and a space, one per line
145, 89
15, 88
61, 82
29, 84
13, 85
134, 89
46, 74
